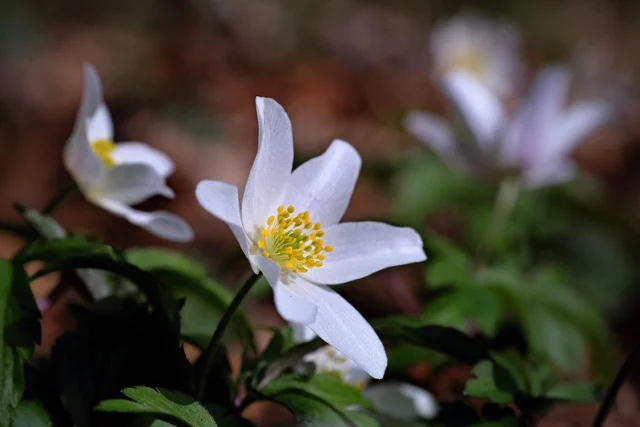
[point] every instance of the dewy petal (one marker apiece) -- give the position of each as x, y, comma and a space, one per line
160, 223
482, 110
221, 200
100, 125
438, 135
341, 326
402, 401
292, 304
324, 184
362, 248
131, 183
272, 166
576, 124
138, 152
79, 158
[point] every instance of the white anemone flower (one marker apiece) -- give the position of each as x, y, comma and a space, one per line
488, 49
395, 401
536, 141
288, 229
116, 176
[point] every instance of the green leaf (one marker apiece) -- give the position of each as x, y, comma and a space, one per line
574, 392
492, 382
61, 250
145, 400
450, 266
19, 333
449, 341
31, 414
117, 344
467, 308
322, 399
205, 299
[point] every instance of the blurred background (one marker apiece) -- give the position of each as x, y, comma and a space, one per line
182, 76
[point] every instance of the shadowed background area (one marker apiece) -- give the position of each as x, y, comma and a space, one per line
182, 76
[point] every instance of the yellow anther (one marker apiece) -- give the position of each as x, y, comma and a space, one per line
104, 149
292, 240
328, 248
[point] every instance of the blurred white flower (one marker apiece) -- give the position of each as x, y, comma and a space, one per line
116, 176
395, 400
537, 141
288, 229
488, 49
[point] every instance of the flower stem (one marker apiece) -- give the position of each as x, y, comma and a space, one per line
58, 198
209, 355
609, 399
505, 202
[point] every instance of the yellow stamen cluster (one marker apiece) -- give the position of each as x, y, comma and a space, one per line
293, 242
104, 149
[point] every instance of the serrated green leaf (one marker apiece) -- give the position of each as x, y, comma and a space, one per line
145, 400
491, 382
31, 414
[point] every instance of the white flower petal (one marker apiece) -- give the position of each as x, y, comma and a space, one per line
138, 152
552, 172
79, 158
160, 223
100, 125
341, 326
437, 134
272, 166
301, 332
292, 304
362, 248
131, 183
402, 401
324, 184
576, 124
221, 200
481, 110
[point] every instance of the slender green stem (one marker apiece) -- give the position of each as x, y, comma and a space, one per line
209, 355
505, 202
610, 397
59, 197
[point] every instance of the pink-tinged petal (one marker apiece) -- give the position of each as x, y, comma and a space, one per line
324, 184
362, 248
272, 166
